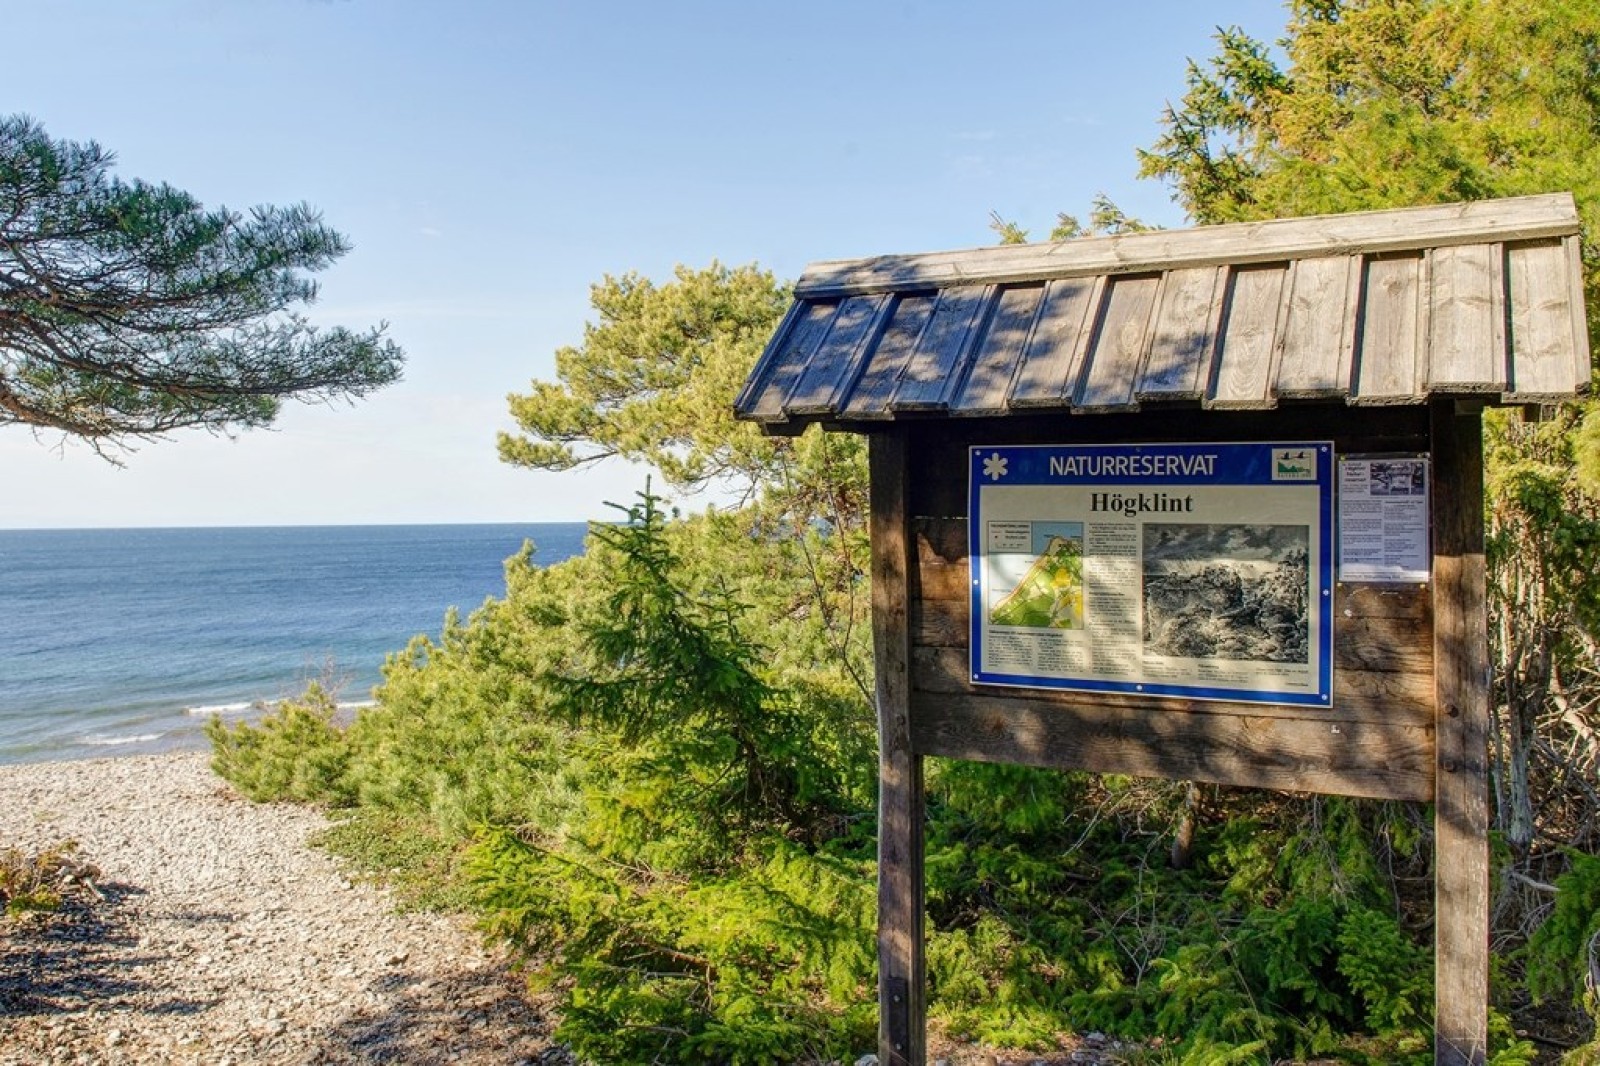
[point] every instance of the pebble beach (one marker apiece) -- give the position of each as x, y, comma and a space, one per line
219, 937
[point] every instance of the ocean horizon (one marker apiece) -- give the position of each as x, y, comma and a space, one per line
125, 641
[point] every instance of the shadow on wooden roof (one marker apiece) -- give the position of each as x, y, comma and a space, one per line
1385, 307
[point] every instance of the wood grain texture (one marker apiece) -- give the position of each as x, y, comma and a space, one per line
941, 557
1243, 374
1582, 367
1318, 342
902, 981
1463, 353
1382, 600
941, 623
848, 343
1542, 331
932, 373
1375, 309
1050, 363
1118, 345
1461, 799
995, 360
1390, 335
1517, 218
1183, 336
744, 405
1376, 759
908, 318
793, 349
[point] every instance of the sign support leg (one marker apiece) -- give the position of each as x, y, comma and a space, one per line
902, 983
1461, 681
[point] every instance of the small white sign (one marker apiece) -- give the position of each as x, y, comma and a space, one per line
1383, 518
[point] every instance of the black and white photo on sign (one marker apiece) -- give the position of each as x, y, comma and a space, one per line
1397, 477
1223, 591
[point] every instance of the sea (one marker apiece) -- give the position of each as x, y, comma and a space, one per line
125, 641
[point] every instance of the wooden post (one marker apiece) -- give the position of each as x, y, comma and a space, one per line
902, 1004
1461, 685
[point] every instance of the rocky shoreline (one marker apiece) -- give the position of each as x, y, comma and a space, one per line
218, 937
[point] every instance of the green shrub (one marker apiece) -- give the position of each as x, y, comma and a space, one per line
705, 900
1565, 950
295, 753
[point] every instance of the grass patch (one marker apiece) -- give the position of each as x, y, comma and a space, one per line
409, 854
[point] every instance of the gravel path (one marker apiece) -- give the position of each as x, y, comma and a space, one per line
222, 939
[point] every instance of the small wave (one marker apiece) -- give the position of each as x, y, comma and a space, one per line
262, 705
97, 741
223, 708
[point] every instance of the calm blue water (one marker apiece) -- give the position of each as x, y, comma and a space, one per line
124, 641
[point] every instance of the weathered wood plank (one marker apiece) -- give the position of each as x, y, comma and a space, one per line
1375, 759
1396, 645
994, 363
941, 623
767, 364
1376, 232
1582, 368
1542, 315
909, 316
839, 358
942, 572
782, 364
1184, 336
931, 375
1461, 800
1462, 353
902, 981
1120, 340
1390, 341
1318, 347
1243, 372
1353, 600
1050, 364
1401, 697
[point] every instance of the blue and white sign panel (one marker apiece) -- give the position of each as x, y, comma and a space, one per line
1194, 570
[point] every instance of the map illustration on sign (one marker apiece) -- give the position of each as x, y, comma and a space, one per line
1198, 570
1050, 594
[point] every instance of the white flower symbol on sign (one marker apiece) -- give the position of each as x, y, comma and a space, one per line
994, 467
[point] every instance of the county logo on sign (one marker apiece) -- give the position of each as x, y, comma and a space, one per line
1294, 464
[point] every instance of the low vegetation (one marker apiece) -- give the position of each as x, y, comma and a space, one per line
678, 832
39, 882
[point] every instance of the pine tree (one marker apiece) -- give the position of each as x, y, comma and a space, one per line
129, 310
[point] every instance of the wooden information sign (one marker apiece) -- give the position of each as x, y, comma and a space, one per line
1110, 528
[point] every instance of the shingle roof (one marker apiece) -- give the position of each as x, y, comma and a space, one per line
1385, 307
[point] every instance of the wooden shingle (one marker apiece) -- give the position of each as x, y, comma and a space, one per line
1387, 307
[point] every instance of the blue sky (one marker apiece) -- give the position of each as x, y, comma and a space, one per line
490, 159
